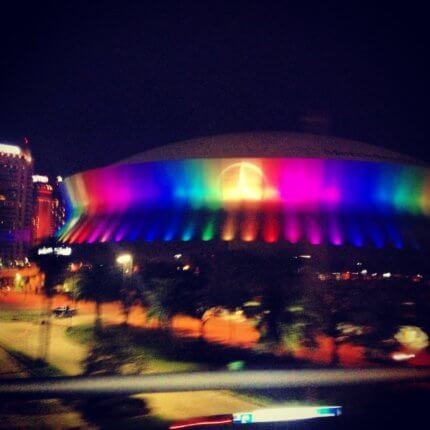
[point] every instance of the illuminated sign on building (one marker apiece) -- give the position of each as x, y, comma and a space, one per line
40, 179
63, 250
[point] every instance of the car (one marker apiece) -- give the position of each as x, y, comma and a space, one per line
64, 312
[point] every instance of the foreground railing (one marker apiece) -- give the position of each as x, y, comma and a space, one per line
158, 383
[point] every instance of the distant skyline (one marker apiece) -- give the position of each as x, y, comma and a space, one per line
91, 83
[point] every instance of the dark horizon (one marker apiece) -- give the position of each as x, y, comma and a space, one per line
90, 84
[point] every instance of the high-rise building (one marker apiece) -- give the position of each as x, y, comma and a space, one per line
16, 202
48, 212
58, 205
43, 217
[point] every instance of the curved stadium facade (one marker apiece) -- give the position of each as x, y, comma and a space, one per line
282, 188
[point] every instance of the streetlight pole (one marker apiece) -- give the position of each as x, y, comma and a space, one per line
125, 261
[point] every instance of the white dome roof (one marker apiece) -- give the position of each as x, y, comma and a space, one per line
271, 145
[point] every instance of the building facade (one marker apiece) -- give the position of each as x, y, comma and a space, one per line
16, 202
48, 212
272, 188
43, 216
58, 205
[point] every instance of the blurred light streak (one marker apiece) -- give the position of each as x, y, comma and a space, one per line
198, 422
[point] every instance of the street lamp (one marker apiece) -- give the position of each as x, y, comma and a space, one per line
126, 262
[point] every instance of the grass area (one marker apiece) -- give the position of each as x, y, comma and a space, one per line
35, 366
146, 348
83, 334
164, 352
19, 315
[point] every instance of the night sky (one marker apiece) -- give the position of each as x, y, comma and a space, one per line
92, 82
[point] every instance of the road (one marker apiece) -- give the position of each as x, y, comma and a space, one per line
64, 354
174, 406
33, 414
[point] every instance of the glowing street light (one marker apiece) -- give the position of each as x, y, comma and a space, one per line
126, 262
124, 259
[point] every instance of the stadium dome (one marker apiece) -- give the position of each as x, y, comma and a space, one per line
254, 187
271, 145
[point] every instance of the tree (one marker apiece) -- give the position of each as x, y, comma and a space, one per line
193, 292
100, 284
241, 277
329, 307
169, 290
53, 266
325, 307
160, 299
236, 278
383, 307
71, 285
130, 291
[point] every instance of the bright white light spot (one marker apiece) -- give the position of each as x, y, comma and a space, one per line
401, 356
66, 250
286, 414
245, 181
124, 259
63, 250
45, 250
386, 275
40, 179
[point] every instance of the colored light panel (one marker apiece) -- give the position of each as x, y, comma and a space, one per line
209, 229
295, 200
249, 227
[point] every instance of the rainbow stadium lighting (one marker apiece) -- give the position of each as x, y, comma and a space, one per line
336, 198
